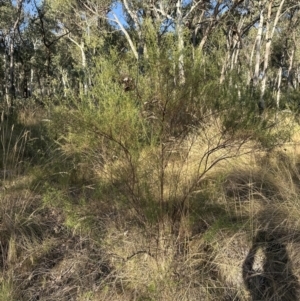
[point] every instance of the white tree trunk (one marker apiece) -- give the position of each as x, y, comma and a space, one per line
83, 63
127, 36
269, 36
258, 46
278, 92
6, 79
31, 80
12, 52
291, 62
179, 27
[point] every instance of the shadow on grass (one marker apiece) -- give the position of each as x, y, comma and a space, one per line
274, 279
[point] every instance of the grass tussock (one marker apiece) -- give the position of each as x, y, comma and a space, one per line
210, 216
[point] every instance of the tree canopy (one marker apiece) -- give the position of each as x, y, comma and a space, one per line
51, 47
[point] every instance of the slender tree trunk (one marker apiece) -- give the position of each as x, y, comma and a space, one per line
64, 79
179, 27
258, 43
6, 80
266, 58
84, 67
197, 27
127, 36
83, 64
258, 47
291, 63
278, 90
31, 80
226, 60
12, 88
269, 36
250, 59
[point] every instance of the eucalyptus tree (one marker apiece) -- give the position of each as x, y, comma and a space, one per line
167, 17
82, 23
17, 19
269, 33
12, 15
28, 38
188, 21
286, 58
274, 17
250, 28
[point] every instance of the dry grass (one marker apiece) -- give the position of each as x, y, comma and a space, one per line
110, 241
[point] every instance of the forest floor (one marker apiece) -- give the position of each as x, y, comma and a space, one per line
69, 234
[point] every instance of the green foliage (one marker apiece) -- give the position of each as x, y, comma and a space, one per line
12, 147
290, 101
122, 195
125, 129
222, 224
53, 197
7, 291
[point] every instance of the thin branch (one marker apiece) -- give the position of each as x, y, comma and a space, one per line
191, 9
132, 15
126, 35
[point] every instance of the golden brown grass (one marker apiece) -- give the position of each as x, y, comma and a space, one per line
104, 236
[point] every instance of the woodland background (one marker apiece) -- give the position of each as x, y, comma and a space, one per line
149, 150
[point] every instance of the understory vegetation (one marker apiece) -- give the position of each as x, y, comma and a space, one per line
149, 154
164, 192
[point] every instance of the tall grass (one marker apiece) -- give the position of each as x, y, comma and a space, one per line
101, 234
12, 144
149, 195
